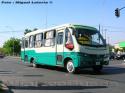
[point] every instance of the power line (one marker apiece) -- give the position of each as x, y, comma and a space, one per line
12, 31
114, 27
123, 31
21, 31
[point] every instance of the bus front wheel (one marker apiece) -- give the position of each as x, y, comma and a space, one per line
70, 67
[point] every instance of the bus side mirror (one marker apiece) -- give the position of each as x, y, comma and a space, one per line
69, 46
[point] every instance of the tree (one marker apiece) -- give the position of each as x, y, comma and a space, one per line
2, 51
35, 29
110, 47
27, 31
12, 46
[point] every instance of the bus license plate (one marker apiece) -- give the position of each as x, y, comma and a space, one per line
97, 63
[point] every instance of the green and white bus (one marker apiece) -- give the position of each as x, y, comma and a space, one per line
70, 45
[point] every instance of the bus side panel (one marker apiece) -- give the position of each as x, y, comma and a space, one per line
46, 55
22, 55
29, 54
47, 58
73, 56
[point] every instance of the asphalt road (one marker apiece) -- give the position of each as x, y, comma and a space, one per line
23, 78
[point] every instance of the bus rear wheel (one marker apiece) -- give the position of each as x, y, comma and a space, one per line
70, 67
34, 64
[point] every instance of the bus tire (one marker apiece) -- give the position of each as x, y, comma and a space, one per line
97, 68
70, 67
34, 64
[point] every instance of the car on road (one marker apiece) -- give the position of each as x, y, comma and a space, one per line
2, 56
112, 55
120, 57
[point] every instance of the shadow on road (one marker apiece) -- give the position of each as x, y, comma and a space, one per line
6, 72
113, 70
55, 87
52, 68
109, 70
7, 91
106, 71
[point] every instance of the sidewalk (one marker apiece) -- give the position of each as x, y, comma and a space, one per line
18, 57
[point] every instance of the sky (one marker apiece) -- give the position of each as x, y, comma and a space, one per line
15, 17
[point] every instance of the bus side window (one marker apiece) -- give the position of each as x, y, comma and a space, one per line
60, 38
26, 42
31, 41
68, 37
41, 39
46, 39
68, 40
49, 38
38, 40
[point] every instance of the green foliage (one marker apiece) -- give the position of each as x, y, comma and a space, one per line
110, 47
12, 46
2, 51
35, 29
27, 31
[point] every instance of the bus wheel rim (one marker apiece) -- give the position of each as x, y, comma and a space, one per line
70, 67
34, 65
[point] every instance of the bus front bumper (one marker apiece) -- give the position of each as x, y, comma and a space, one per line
93, 60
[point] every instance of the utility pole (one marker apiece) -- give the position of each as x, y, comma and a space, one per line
99, 27
105, 33
46, 16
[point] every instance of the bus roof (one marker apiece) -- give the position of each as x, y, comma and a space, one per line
61, 26
84, 27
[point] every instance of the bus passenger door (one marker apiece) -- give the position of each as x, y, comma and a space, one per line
59, 47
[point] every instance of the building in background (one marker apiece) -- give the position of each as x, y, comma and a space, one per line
120, 47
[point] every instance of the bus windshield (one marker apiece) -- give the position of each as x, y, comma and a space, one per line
89, 37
